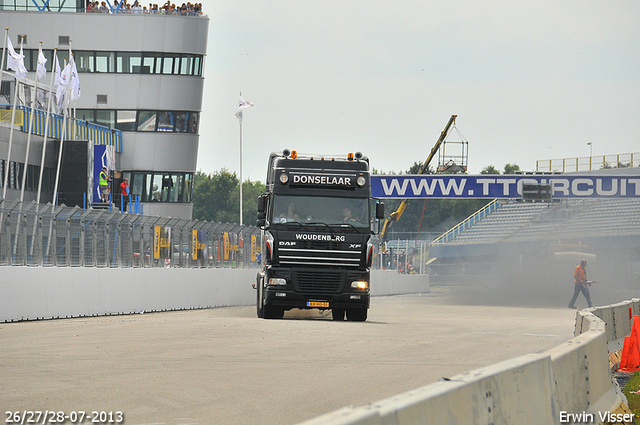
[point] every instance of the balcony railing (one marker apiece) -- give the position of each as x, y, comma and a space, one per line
75, 129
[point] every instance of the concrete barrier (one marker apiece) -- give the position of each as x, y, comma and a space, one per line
570, 383
29, 293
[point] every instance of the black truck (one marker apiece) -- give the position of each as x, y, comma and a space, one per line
317, 218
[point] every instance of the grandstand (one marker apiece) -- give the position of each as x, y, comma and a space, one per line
522, 221
506, 231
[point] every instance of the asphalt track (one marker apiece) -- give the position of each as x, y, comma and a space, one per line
225, 366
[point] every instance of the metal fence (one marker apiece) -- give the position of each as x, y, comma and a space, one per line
49, 235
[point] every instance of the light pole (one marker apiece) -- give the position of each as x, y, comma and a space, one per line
243, 104
590, 154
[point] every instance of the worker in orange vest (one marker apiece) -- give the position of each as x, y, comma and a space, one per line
581, 284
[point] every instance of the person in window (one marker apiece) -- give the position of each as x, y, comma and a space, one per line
289, 214
155, 193
346, 213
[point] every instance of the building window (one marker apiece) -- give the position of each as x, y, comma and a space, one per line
85, 61
164, 121
121, 62
147, 121
161, 187
106, 118
105, 62
126, 120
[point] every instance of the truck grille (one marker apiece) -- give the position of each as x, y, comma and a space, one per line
315, 282
337, 256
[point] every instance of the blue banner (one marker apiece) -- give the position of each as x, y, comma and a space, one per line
503, 186
99, 152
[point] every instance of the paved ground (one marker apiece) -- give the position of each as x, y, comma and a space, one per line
225, 366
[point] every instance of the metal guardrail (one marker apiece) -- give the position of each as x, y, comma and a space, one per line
468, 222
49, 235
589, 163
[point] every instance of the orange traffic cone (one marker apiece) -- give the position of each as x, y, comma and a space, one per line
630, 360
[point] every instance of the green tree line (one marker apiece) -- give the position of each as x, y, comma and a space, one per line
216, 197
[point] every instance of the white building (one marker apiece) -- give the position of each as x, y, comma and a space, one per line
140, 73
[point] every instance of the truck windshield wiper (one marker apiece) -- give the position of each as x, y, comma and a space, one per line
321, 223
357, 229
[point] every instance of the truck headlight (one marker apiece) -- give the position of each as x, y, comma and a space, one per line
360, 284
361, 181
284, 178
277, 281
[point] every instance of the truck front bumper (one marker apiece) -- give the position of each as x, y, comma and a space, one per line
290, 299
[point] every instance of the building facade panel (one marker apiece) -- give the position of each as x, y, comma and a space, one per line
176, 152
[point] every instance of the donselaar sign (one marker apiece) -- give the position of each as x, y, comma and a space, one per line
503, 186
322, 179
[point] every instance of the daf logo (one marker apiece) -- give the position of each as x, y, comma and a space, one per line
286, 243
355, 245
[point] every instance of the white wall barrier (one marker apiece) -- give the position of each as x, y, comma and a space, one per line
28, 293
538, 389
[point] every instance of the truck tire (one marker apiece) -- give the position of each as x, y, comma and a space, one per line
337, 313
357, 314
273, 312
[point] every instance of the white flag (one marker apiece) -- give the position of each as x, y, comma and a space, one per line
41, 70
75, 82
62, 80
242, 105
15, 61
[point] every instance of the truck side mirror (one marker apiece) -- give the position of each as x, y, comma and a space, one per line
262, 213
380, 210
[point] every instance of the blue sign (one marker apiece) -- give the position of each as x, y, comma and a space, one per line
503, 186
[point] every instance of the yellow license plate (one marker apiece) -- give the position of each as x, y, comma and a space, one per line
317, 304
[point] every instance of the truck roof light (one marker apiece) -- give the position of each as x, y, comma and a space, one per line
350, 156
358, 155
294, 154
286, 152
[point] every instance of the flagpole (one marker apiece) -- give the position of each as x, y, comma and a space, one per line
33, 114
65, 104
240, 167
4, 51
46, 124
241, 106
11, 124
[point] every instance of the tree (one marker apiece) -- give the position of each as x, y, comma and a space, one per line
511, 168
489, 169
250, 192
211, 196
216, 197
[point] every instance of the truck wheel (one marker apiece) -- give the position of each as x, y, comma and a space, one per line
273, 312
337, 313
357, 314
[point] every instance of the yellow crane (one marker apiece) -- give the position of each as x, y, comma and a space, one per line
395, 216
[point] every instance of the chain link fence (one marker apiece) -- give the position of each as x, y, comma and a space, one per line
49, 235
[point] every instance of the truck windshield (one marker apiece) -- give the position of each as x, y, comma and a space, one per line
321, 209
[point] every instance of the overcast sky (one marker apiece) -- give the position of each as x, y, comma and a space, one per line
528, 80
